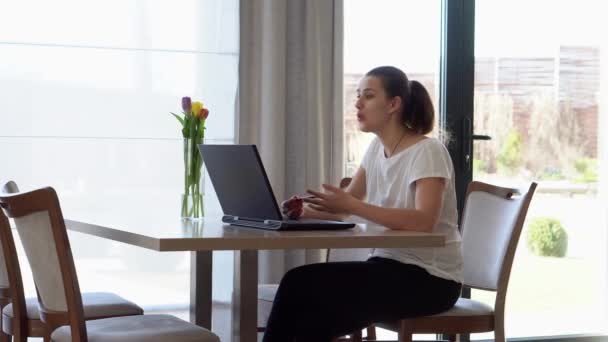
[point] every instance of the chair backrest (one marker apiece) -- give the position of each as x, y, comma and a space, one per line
10, 272
41, 227
9, 188
492, 222
4, 281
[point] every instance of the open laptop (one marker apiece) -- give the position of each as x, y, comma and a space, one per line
245, 194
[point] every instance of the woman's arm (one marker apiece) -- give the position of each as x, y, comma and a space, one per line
429, 199
356, 188
357, 185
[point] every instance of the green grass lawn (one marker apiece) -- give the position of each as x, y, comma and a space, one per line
555, 284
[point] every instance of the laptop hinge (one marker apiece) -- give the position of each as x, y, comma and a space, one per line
273, 222
240, 221
233, 218
229, 218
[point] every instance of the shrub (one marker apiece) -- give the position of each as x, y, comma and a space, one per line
493, 114
551, 174
509, 158
587, 170
555, 135
547, 237
479, 166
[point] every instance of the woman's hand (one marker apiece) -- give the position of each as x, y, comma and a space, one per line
293, 208
333, 200
311, 213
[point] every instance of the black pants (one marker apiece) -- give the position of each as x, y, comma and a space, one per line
319, 302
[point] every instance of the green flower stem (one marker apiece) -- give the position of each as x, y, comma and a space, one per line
192, 203
193, 131
186, 182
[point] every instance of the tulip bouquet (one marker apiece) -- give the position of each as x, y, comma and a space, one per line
193, 131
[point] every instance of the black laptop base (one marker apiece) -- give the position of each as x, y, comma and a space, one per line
291, 225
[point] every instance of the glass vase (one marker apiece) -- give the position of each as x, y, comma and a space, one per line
192, 207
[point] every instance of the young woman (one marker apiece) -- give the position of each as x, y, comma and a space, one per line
405, 182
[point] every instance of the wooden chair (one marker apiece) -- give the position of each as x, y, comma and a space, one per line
21, 316
267, 292
41, 227
491, 225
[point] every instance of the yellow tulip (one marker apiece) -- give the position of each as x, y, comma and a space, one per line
196, 108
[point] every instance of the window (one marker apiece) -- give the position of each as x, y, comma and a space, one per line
401, 33
86, 93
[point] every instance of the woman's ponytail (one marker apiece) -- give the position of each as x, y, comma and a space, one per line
418, 113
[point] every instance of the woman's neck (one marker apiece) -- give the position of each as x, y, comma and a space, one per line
394, 138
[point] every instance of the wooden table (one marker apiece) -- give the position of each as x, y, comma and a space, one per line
202, 238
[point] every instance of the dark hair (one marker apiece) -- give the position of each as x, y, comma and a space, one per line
418, 113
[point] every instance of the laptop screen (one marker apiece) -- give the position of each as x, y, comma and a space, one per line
240, 181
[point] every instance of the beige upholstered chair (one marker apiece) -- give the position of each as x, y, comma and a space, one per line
20, 315
491, 225
41, 227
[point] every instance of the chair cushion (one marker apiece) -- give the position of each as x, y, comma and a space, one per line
31, 305
463, 307
96, 305
468, 307
266, 293
141, 328
104, 304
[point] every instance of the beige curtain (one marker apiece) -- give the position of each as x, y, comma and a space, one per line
290, 101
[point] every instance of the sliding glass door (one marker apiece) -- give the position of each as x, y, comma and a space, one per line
401, 33
537, 93
532, 77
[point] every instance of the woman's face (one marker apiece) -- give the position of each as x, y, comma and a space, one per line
374, 109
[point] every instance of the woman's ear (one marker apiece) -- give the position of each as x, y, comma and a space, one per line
395, 105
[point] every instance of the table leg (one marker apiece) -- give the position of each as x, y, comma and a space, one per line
245, 297
201, 266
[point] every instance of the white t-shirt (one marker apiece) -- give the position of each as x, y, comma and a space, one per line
390, 183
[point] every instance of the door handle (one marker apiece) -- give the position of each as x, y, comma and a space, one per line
467, 144
481, 137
